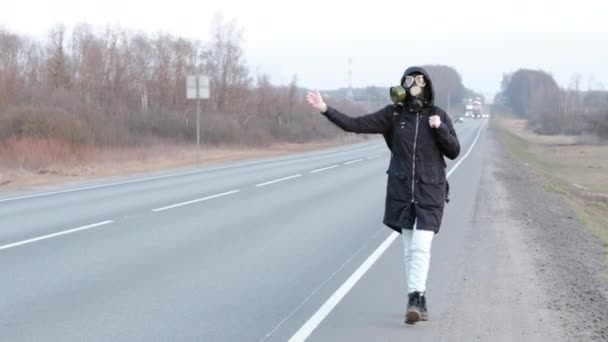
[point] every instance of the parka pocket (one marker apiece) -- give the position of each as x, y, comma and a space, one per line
431, 174
397, 170
398, 187
432, 186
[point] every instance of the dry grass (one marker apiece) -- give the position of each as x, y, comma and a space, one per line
518, 127
580, 166
54, 170
36, 153
579, 172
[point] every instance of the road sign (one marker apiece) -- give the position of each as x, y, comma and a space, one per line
197, 87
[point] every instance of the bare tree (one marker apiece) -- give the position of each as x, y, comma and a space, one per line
141, 69
57, 63
292, 99
116, 87
224, 61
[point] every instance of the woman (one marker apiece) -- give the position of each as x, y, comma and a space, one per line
419, 135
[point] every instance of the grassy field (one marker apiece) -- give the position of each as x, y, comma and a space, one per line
578, 172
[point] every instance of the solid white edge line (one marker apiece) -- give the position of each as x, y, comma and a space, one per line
313, 322
43, 194
65, 232
195, 201
326, 308
311, 295
325, 168
278, 180
468, 151
353, 161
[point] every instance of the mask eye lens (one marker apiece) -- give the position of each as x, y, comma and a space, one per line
420, 81
409, 80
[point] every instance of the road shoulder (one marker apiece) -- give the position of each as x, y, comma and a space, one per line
534, 268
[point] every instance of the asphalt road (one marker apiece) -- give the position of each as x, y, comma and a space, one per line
236, 252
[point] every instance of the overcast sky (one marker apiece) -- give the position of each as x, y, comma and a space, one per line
314, 39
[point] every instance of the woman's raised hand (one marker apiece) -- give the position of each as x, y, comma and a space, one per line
316, 100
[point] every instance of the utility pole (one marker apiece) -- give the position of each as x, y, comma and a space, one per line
449, 102
349, 94
198, 120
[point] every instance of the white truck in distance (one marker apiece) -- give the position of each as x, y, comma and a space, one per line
474, 109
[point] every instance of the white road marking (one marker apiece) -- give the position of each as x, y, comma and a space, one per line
353, 161
43, 194
185, 173
313, 322
49, 236
195, 201
319, 287
373, 157
325, 168
468, 151
278, 180
171, 175
99, 224
326, 308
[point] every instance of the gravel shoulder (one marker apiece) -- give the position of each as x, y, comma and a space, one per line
534, 272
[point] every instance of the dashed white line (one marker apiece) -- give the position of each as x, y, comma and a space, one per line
49, 236
195, 201
325, 168
373, 157
353, 161
193, 172
313, 322
278, 180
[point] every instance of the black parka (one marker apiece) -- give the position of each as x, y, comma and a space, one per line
417, 186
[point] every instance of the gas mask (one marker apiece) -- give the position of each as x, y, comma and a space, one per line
412, 91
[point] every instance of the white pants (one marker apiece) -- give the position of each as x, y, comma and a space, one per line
417, 247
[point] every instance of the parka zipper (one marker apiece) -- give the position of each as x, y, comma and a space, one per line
414, 156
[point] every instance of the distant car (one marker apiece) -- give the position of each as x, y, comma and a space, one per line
460, 119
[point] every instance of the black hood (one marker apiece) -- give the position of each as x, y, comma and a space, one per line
430, 97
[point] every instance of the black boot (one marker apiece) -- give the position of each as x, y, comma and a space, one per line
413, 308
424, 314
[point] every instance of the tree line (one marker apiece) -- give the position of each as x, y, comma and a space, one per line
85, 88
118, 87
550, 109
